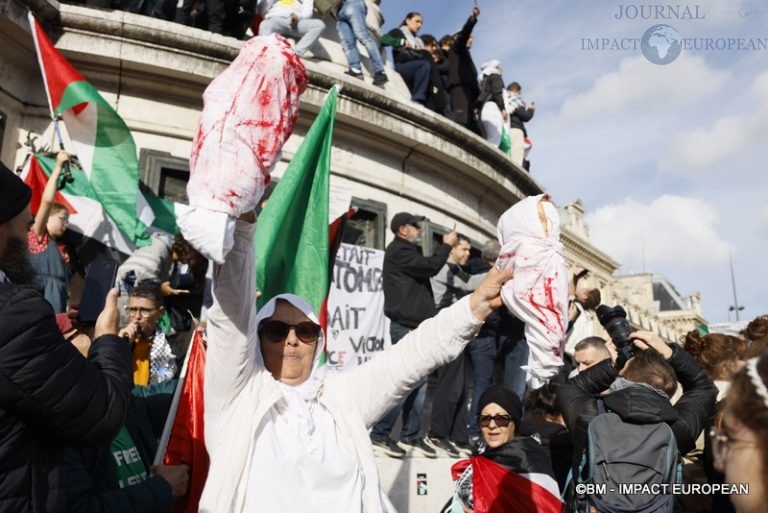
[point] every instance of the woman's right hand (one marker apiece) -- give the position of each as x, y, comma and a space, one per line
61, 158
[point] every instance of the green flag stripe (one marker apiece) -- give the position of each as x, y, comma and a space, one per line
292, 230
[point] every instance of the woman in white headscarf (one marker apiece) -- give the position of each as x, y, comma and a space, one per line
493, 112
284, 437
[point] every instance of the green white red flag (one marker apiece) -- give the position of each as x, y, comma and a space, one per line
87, 214
102, 141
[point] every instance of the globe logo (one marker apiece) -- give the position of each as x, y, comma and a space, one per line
661, 44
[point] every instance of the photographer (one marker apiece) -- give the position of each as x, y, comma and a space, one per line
639, 396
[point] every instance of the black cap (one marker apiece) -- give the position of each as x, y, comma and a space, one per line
16, 194
402, 219
505, 398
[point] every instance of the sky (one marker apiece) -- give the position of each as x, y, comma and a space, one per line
669, 160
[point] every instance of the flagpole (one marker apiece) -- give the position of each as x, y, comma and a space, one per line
171, 418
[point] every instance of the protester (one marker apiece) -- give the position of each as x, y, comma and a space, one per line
153, 264
412, 60
47, 253
449, 409
501, 338
408, 301
188, 11
582, 318
490, 102
292, 19
740, 446
153, 358
284, 436
50, 396
520, 113
640, 406
351, 26
462, 84
119, 477
528, 483
543, 421
590, 351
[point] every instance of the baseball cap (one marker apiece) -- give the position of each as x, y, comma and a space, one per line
402, 219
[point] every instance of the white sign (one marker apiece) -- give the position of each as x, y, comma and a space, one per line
357, 328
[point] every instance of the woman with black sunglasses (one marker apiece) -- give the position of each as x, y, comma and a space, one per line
282, 434
511, 473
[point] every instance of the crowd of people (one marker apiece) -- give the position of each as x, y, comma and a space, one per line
549, 419
83, 405
440, 74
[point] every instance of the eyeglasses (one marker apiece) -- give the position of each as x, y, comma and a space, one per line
721, 442
277, 331
500, 420
143, 312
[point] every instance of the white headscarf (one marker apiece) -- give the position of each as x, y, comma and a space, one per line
300, 461
492, 67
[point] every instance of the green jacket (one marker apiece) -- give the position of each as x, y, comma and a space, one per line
91, 483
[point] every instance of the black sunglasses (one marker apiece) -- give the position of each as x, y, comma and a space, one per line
500, 420
277, 331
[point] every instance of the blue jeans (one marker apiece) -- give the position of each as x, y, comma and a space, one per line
484, 351
416, 75
411, 406
307, 30
352, 28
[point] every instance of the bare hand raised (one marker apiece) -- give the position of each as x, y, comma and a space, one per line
451, 238
107, 322
644, 340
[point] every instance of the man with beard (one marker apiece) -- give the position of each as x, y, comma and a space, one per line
50, 396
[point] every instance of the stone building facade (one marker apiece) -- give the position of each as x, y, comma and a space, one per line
387, 155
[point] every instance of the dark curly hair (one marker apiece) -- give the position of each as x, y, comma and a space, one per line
756, 329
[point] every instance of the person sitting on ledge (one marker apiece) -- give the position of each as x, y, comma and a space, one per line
291, 18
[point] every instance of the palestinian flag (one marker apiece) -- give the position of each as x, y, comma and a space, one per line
102, 141
514, 477
87, 215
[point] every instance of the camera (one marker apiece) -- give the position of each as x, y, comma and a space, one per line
614, 320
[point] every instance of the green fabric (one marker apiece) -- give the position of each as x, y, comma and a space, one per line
114, 175
292, 231
130, 468
505, 144
165, 216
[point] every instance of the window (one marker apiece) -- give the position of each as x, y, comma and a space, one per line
164, 174
368, 225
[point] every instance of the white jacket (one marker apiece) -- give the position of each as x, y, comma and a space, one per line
238, 393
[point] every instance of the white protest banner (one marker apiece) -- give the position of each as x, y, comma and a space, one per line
357, 327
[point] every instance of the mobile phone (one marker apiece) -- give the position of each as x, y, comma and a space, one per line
99, 279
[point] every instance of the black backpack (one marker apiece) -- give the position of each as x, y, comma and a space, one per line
627, 467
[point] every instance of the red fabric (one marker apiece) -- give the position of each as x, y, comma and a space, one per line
186, 444
57, 72
496, 489
35, 245
458, 468
37, 179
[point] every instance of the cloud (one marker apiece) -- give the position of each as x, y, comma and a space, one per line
639, 88
670, 233
728, 138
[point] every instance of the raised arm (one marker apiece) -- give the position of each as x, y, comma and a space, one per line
49, 193
48, 384
380, 383
231, 319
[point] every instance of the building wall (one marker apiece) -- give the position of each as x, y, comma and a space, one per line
154, 72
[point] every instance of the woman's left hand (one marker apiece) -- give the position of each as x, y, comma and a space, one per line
487, 296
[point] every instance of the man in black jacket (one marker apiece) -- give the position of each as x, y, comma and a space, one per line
408, 301
50, 396
632, 397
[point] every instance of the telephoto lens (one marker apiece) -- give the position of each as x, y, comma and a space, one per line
614, 320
